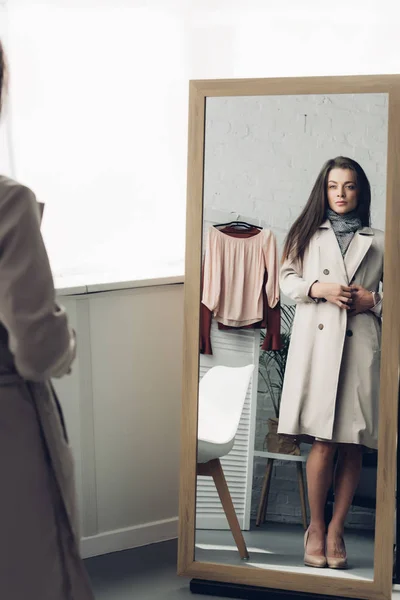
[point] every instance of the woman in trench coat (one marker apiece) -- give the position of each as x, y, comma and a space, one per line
39, 539
332, 269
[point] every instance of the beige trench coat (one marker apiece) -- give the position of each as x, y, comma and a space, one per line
39, 541
331, 384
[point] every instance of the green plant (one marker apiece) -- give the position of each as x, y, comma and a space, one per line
272, 364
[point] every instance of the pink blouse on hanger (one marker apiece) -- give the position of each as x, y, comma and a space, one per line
233, 276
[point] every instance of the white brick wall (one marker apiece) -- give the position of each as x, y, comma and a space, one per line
262, 156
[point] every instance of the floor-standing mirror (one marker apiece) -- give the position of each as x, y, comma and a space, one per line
291, 371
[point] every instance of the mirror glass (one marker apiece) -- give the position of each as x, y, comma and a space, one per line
292, 297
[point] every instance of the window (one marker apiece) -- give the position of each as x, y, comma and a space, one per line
99, 127
99, 104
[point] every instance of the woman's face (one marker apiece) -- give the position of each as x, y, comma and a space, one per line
342, 190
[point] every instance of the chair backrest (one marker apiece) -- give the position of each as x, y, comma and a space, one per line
222, 393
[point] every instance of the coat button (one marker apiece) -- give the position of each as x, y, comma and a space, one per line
349, 333
320, 326
326, 271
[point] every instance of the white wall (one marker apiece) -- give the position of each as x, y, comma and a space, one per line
99, 99
263, 154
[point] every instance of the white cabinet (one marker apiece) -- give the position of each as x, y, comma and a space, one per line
76, 397
122, 409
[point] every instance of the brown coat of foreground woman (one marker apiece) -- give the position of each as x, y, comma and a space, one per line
39, 542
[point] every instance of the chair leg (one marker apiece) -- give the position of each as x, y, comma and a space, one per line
214, 469
262, 505
302, 494
266, 498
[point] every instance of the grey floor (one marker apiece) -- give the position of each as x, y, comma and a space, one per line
280, 546
149, 573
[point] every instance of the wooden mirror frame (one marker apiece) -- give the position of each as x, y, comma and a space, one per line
380, 588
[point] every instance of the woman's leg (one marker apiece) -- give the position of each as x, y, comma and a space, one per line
347, 476
319, 480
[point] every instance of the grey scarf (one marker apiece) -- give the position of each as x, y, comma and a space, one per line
344, 227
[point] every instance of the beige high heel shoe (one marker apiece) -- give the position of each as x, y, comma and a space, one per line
335, 562
311, 560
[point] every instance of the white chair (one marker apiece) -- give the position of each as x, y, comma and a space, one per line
222, 393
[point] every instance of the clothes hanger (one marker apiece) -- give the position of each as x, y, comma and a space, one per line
238, 224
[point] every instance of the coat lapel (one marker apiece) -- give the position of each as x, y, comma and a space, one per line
358, 248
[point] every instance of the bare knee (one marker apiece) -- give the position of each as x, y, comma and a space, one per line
349, 451
324, 450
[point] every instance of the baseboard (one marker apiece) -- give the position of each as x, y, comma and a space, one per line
131, 537
215, 522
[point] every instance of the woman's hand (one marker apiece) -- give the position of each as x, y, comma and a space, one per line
335, 293
363, 300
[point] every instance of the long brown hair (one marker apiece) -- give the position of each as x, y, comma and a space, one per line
3, 75
314, 212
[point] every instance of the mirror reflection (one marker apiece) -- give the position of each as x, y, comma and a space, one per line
291, 311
